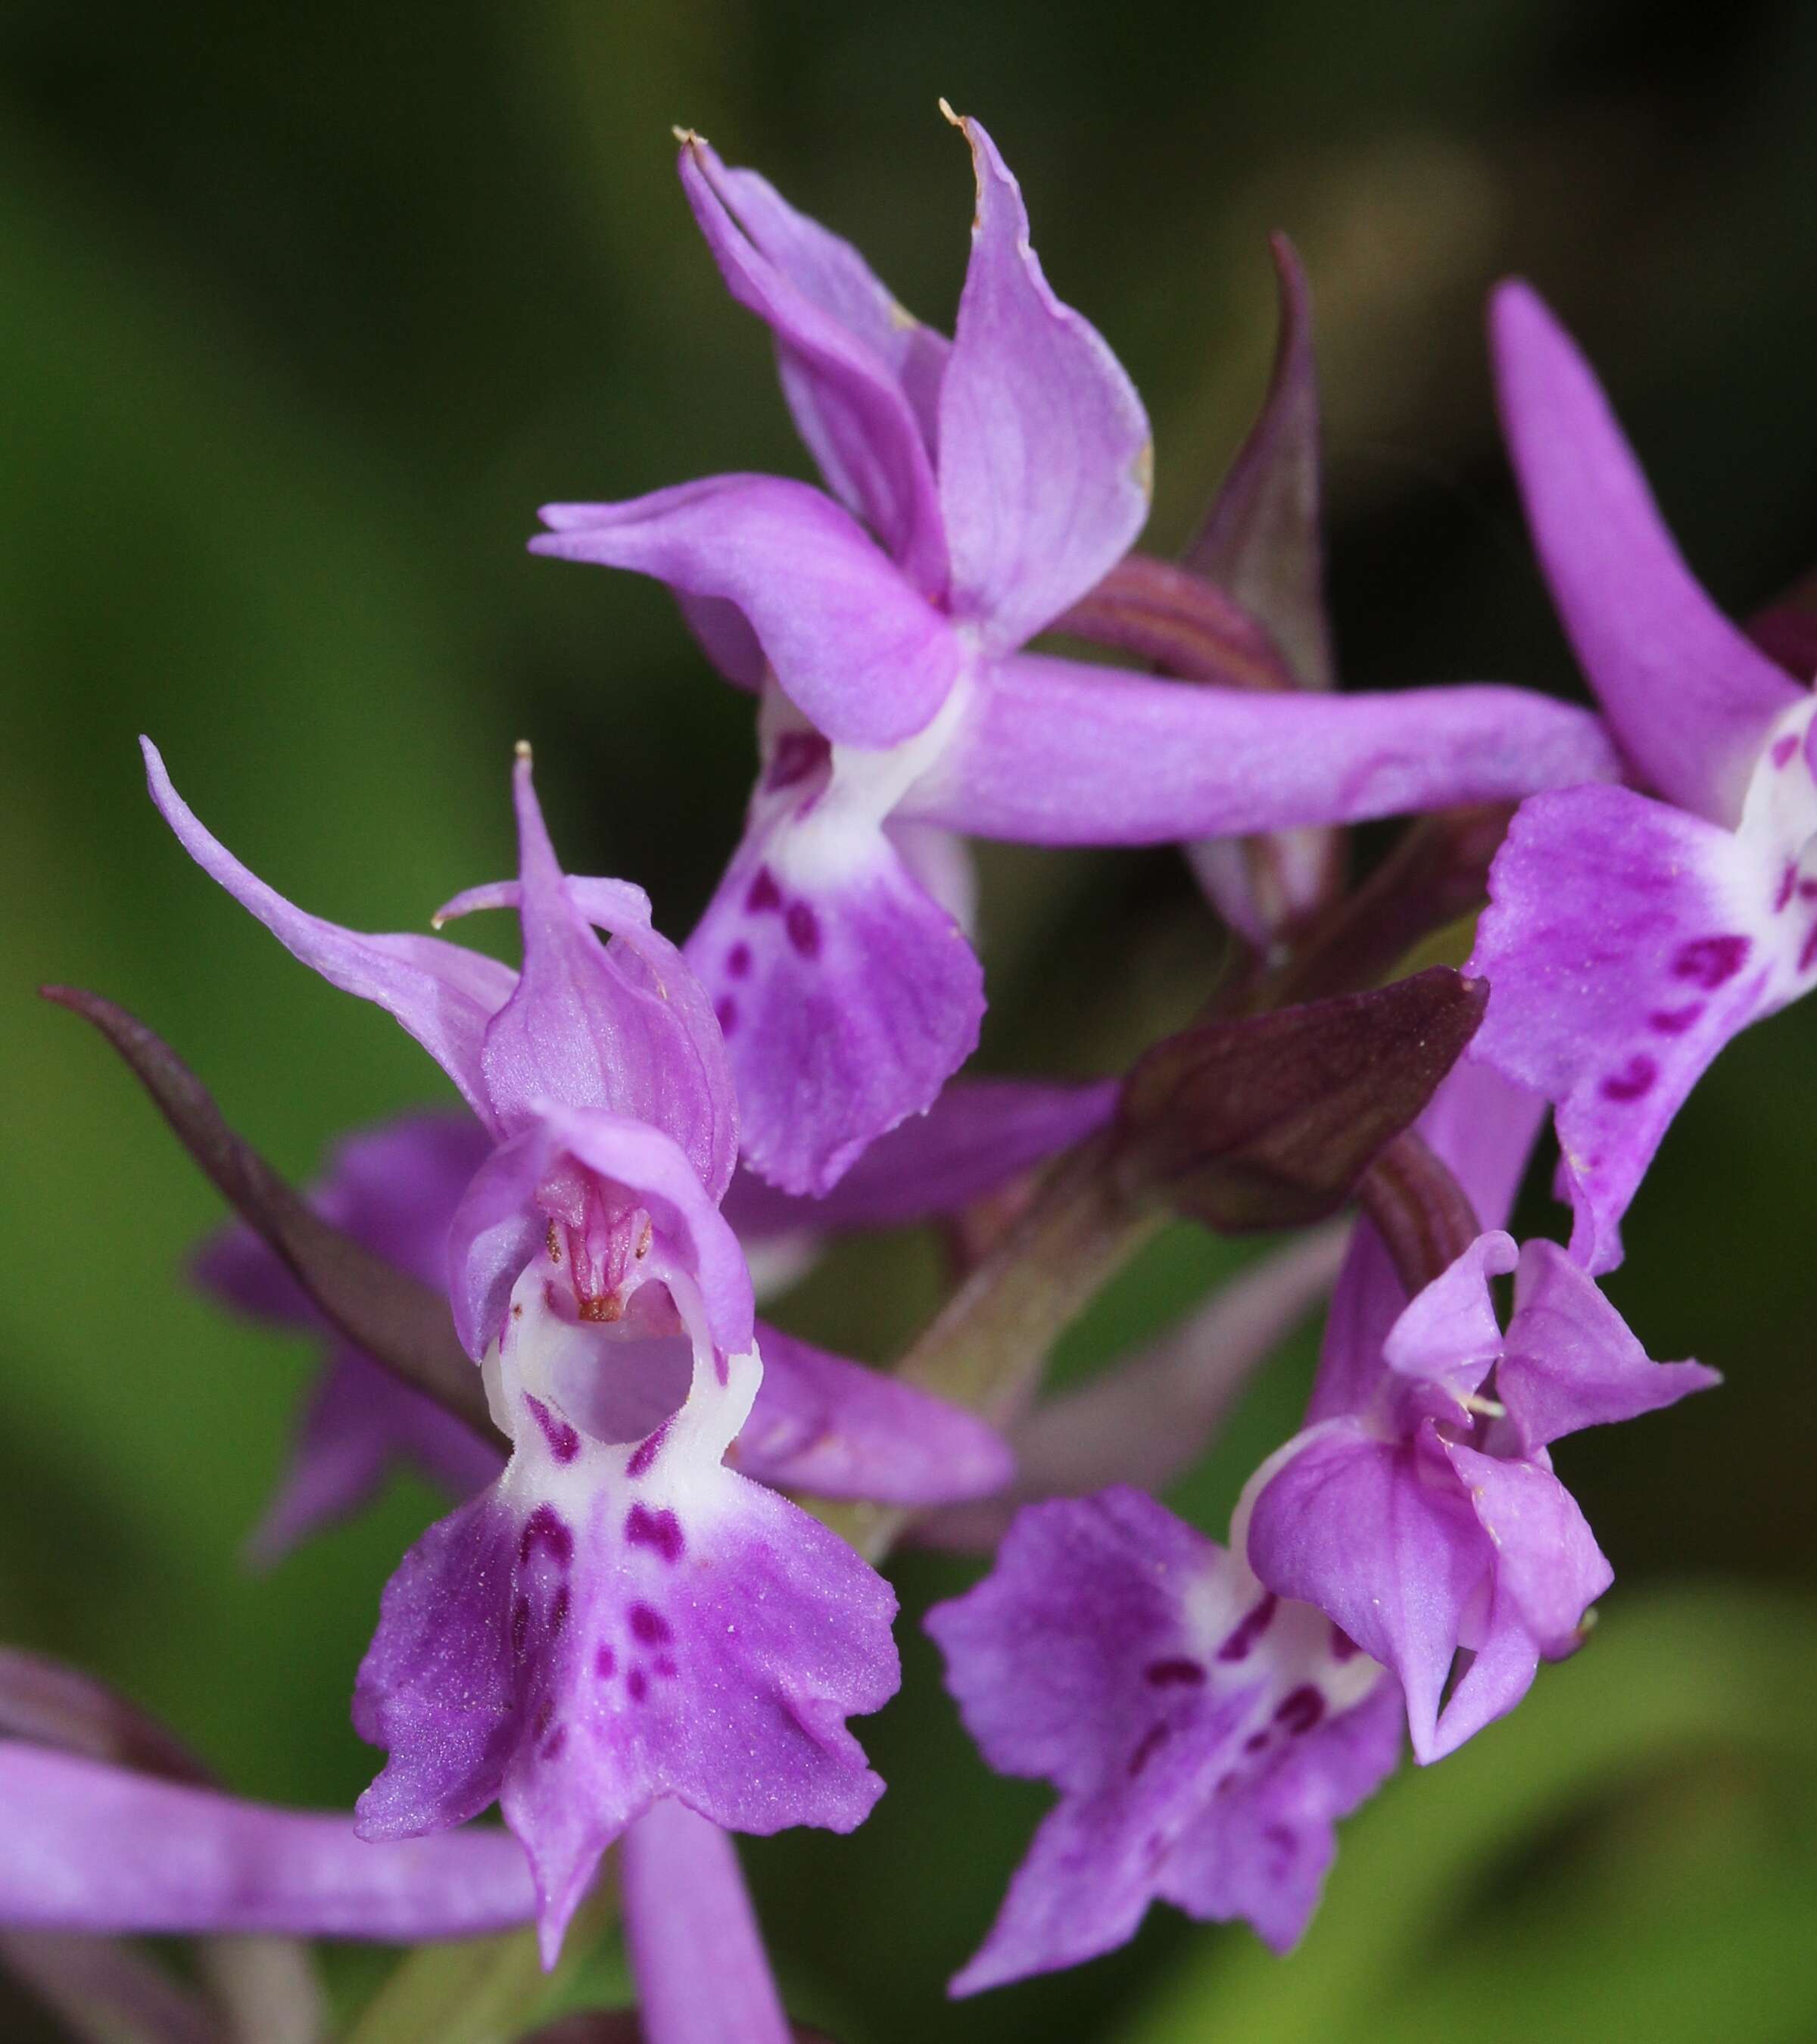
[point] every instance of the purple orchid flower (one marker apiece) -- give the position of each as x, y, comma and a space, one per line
1000, 476
1631, 935
1204, 1734
819, 1423
620, 1617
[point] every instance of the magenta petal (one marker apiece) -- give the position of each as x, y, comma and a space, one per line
1547, 1561
498, 1226
979, 1135
1690, 695
95, 1848
1448, 1336
443, 995
1204, 1737
843, 344
1046, 456
695, 1952
1051, 751
1570, 1361
1625, 943
1371, 1531
848, 995
863, 656
824, 1425
625, 1027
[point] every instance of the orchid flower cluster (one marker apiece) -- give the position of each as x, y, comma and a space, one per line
631, 1630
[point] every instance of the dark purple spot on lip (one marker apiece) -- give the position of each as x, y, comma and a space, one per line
638, 1683
1807, 955
797, 754
804, 928
604, 1662
1249, 1630
764, 893
1807, 890
519, 1625
1787, 887
738, 961
650, 1625
1675, 1021
1634, 1078
1151, 1744
1256, 1741
1712, 962
725, 1014
564, 1443
1782, 749
1299, 1712
1343, 1647
660, 1530
664, 1666
646, 1452
552, 1746
544, 1717
546, 1527
559, 1612
1178, 1672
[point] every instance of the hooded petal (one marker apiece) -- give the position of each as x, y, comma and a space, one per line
979, 1136
1448, 1336
695, 1952
1624, 944
1051, 751
1690, 695
443, 996
625, 1027
846, 349
823, 1424
500, 1225
1046, 455
848, 995
862, 655
1186, 1717
1569, 1360
95, 1848
1378, 1535
616, 1621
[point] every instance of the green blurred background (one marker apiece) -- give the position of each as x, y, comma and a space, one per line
303, 310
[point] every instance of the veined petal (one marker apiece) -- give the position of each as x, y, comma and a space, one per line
1204, 1736
825, 1424
618, 1621
979, 1135
691, 1935
1625, 943
498, 1225
95, 1848
862, 655
1371, 1531
1051, 751
844, 348
1569, 1360
1045, 455
848, 995
625, 1027
1690, 695
443, 995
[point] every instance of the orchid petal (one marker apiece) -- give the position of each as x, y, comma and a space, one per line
1448, 1336
692, 1937
1204, 1737
94, 1848
1045, 455
858, 651
443, 995
824, 1425
979, 1136
848, 997
1625, 943
625, 1027
1570, 1361
1690, 698
843, 344
1051, 751
1547, 1561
